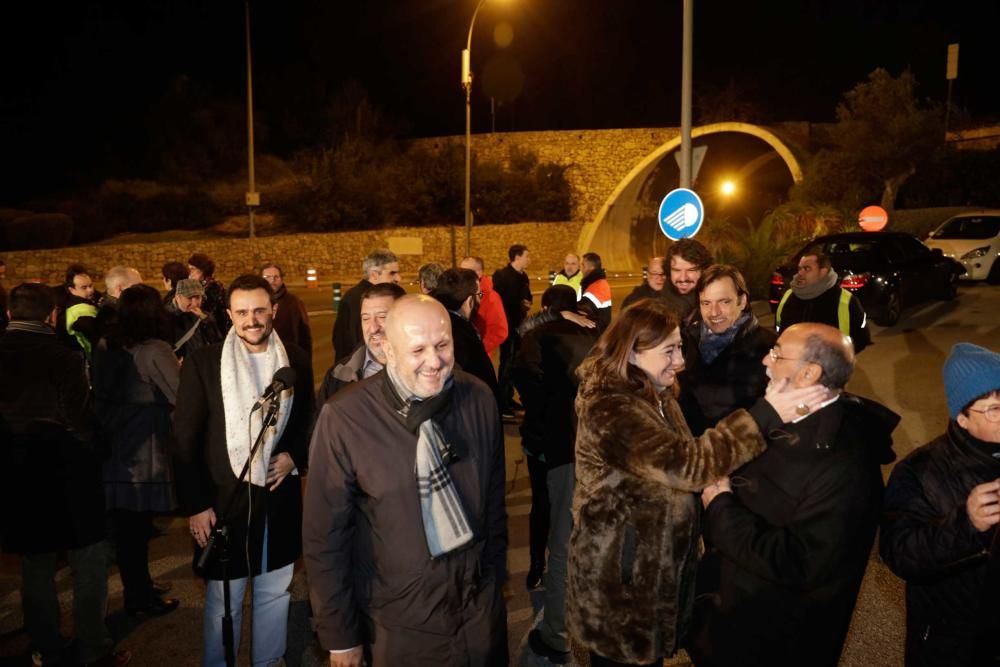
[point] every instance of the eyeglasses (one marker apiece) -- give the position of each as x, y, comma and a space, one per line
991, 413
776, 356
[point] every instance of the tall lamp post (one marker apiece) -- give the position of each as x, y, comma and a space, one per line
252, 196
467, 85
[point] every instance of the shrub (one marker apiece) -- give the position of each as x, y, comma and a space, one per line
38, 231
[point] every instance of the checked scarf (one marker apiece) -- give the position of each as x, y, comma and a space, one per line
446, 526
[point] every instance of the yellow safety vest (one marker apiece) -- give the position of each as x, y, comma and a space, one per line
843, 311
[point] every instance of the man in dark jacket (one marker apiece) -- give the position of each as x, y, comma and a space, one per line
939, 529
380, 266
369, 357
202, 269
815, 295
53, 492
795, 534
192, 327
390, 575
291, 322
458, 291
215, 422
595, 291
545, 377
512, 284
655, 287
723, 349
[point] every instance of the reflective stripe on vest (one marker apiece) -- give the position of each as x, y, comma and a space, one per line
843, 311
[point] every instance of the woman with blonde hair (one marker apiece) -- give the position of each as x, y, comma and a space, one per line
633, 549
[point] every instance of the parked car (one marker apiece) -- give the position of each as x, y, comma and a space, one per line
889, 271
974, 240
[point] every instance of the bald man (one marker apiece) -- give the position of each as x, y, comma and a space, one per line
405, 534
795, 526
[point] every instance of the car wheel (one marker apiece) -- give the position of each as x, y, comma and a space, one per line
994, 277
950, 289
890, 314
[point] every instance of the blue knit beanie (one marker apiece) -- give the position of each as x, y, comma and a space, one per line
970, 371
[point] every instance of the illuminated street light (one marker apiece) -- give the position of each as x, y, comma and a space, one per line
728, 188
467, 85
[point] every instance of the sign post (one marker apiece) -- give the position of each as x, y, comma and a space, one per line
951, 73
873, 218
681, 214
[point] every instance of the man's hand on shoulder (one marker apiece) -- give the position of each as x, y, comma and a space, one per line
352, 658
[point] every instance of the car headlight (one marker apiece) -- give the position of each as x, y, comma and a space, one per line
978, 252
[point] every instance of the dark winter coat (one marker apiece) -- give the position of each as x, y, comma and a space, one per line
825, 309
347, 327
644, 291
206, 334
136, 389
545, 376
292, 320
951, 572
205, 478
341, 374
734, 379
633, 549
470, 355
513, 286
365, 549
214, 303
795, 537
52, 496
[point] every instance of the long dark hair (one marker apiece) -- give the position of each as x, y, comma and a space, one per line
642, 326
142, 316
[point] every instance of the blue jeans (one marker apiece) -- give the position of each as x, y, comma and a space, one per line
89, 566
270, 615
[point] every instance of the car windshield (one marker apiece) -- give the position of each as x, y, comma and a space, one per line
858, 252
969, 227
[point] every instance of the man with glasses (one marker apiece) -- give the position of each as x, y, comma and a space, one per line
939, 528
795, 526
653, 286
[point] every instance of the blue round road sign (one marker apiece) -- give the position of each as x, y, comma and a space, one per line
681, 214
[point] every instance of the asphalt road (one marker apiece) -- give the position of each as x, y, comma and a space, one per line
902, 369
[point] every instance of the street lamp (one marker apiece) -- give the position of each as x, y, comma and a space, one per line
467, 85
727, 188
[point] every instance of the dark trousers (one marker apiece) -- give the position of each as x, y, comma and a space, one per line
538, 518
508, 350
601, 661
132, 531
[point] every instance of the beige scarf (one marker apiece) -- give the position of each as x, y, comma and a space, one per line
240, 390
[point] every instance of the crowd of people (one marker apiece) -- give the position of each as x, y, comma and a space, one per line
699, 481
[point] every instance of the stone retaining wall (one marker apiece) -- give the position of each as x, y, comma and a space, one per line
335, 256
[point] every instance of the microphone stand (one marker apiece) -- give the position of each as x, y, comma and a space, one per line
218, 542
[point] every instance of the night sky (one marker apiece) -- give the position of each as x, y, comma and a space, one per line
85, 87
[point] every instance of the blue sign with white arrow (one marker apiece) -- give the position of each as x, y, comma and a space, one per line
681, 214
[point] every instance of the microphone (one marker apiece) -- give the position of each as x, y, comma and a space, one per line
283, 379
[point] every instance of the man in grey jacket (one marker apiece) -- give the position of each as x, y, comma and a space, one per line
405, 534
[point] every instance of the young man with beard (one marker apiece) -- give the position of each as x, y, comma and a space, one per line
723, 347
368, 358
215, 424
796, 531
291, 322
405, 528
596, 291
816, 296
939, 528
686, 259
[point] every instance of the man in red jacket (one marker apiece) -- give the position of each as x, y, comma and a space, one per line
490, 320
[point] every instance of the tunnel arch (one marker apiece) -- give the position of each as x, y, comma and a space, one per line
609, 232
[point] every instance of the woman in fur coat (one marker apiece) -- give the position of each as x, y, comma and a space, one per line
633, 549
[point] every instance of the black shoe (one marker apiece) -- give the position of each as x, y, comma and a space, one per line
162, 587
540, 648
534, 578
158, 607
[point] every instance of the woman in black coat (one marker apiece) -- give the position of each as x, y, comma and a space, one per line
136, 379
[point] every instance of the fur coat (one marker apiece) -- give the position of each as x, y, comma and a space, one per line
633, 549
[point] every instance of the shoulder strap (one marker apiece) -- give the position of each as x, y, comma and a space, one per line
844, 312
781, 306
